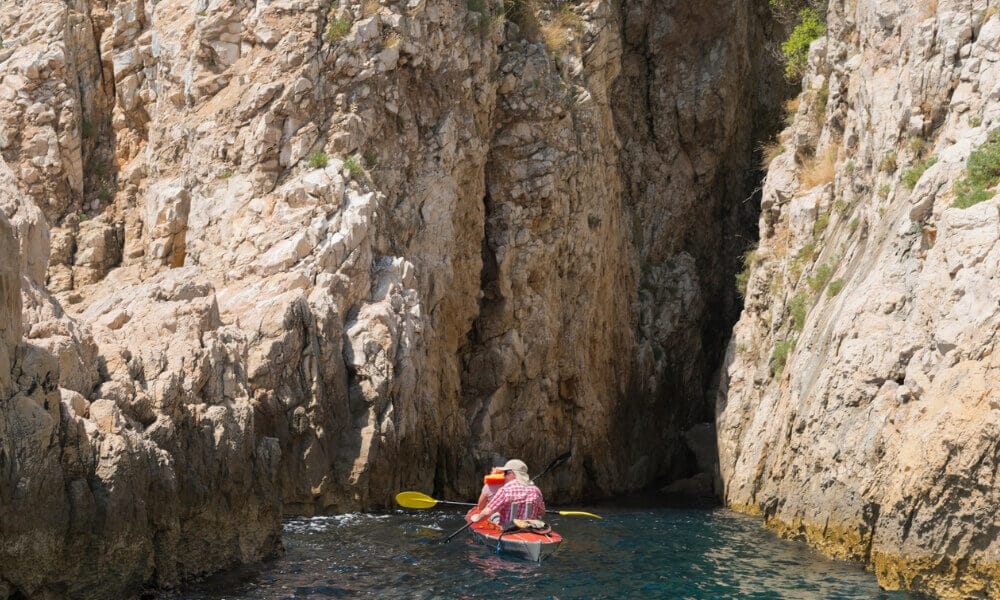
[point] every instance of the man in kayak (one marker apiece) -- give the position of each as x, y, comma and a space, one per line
517, 499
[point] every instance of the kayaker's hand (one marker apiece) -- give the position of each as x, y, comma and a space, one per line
477, 517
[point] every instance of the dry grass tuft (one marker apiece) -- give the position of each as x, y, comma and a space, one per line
556, 38
791, 109
820, 169
770, 151
928, 8
393, 40
563, 29
780, 241
370, 7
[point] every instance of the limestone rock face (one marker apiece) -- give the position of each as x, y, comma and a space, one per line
861, 405
295, 256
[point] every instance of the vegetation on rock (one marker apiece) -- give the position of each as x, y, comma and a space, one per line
353, 166
750, 261
796, 48
981, 173
780, 355
317, 160
915, 172
336, 29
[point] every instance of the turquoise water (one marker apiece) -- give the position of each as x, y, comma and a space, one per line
632, 553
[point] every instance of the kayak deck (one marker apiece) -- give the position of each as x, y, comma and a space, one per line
523, 544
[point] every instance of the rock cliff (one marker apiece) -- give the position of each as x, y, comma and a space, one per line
860, 408
292, 256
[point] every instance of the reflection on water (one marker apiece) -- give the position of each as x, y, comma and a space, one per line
633, 553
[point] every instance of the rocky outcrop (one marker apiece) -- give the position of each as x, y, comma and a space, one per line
296, 256
861, 399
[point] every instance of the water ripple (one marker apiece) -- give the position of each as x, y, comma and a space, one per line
641, 554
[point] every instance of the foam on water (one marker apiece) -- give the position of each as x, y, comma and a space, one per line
326, 523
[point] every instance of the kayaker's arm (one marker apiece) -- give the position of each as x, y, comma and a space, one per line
492, 506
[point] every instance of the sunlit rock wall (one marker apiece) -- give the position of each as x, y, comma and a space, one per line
861, 405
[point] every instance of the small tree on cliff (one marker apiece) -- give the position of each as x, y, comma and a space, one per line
802, 21
796, 47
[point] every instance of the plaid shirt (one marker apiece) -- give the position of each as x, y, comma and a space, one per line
525, 500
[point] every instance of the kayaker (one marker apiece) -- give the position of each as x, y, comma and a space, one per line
517, 499
491, 485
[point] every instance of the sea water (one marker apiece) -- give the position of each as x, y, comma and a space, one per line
631, 553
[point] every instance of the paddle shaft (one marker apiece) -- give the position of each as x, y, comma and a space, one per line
464, 527
456, 503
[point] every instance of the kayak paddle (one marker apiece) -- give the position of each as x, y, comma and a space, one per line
558, 461
420, 500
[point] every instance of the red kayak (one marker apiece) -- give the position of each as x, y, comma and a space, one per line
529, 545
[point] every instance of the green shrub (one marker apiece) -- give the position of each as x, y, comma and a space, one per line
743, 277
853, 225
780, 355
975, 121
796, 48
822, 97
798, 309
807, 252
225, 174
353, 166
336, 29
884, 190
820, 277
917, 145
835, 287
981, 173
805, 255
971, 198
317, 160
914, 173
87, 130
820, 225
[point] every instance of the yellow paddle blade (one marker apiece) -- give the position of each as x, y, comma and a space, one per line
415, 500
578, 513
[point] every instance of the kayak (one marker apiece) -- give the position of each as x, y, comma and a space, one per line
522, 544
